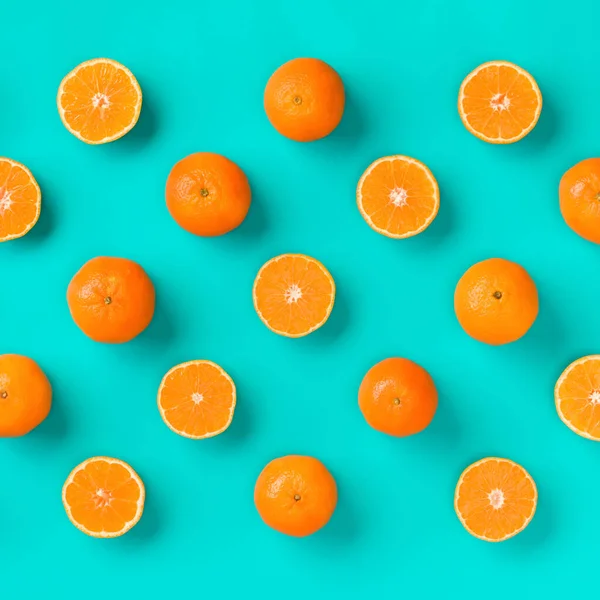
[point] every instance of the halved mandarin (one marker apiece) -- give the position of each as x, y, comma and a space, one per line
197, 399
99, 101
577, 397
398, 196
495, 499
20, 200
293, 294
499, 102
104, 497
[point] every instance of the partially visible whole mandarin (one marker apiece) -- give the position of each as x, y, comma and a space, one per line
304, 99
295, 495
111, 299
208, 194
579, 195
496, 301
398, 397
25, 395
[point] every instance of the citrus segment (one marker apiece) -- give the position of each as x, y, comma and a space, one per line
495, 499
499, 102
20, 200
293, 294
577, 397
99, 101
398, 196
197, 399
104, 497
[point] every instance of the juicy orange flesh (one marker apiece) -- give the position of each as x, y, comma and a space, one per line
398, 196
500, 102
579, 395
294, 294
489, 478
19, 199
99, 101
197, 399
103, 497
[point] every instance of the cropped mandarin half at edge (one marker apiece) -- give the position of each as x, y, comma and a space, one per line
104, 497
495, 499
208, 194
496, 301
398, 397
499, 102
99, 101
398, 196
25, 395
293, 294
304, 99
295, 495
20, 200
197, 399
577, 397
111, 299
579, 194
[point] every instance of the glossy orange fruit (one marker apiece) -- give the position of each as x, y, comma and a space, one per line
104, 497
295, 495
304, 99
495, 499
398, 397
577, 397
197, 399
398, 196
25, 395
99, 101
499, 102
293, 294
579, 194
496, 301
20, 200
111, 299
207, 194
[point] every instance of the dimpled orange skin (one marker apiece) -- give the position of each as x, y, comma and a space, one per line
398, 397
208, 194
25, 395
295, 495
111, 299
304, 99
579, 194
496, 301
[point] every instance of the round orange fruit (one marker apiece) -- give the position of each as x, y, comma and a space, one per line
197, 399
104, 497
20, 200
579, 194
207, 194
496, 301
99, 101
25, 395
398, 397
398, 196
304, 99
499, 102
111, 299
295, 495
577, 397
293, 295
495, 499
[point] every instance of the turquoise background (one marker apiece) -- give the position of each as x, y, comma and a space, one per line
202, 67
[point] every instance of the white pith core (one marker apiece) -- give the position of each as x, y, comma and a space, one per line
293, 294
496, 498
100, 101
103, 498
398, 196
5, 201
500, 102
595, 397
197, 398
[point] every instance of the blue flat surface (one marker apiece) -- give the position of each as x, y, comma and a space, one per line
202, 67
